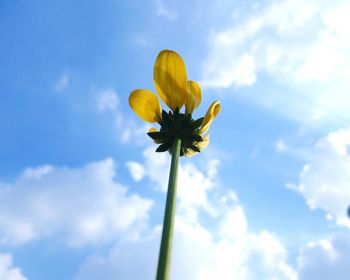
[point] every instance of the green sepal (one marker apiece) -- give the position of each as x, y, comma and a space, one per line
196, 137
157, 135
197, 123
166, 118
161, 122
194, 148
163, 148
188, 117
177, 125
176, 112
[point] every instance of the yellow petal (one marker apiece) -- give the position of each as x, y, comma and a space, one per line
212, 112
152, 129
194, 96
146, 105
201, 145
190, 152
170, 78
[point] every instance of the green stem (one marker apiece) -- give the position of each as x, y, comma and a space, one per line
164, 260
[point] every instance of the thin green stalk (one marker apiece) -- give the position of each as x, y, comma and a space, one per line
164, 260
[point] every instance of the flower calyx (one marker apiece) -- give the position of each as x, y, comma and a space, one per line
176, 125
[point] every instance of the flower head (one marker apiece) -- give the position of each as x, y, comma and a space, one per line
176, 91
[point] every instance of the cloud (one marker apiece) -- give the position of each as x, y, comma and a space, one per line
194, 185
163, 11
63, 82
300, 51
198, 254
326, 259
230, 251
325, 180
84, 206
127, 260
212, 239
7, 270
136, 170
281, 146
143, 39
107, 101
212, 236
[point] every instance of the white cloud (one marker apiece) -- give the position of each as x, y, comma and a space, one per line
326, 259
130, 131
199, 253
193, 184
143, 39
281, 146
324, 181
107, 100
84, 205
212, 239
230, 252
303, 47
163, 11
127, 130
136, 170
63, 82
127, 260
156, 167
7, 270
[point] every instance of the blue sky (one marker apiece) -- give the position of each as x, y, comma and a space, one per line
82, 192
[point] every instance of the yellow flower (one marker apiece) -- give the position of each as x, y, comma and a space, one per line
175, 91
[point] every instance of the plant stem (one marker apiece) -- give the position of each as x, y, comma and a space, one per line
164, 260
